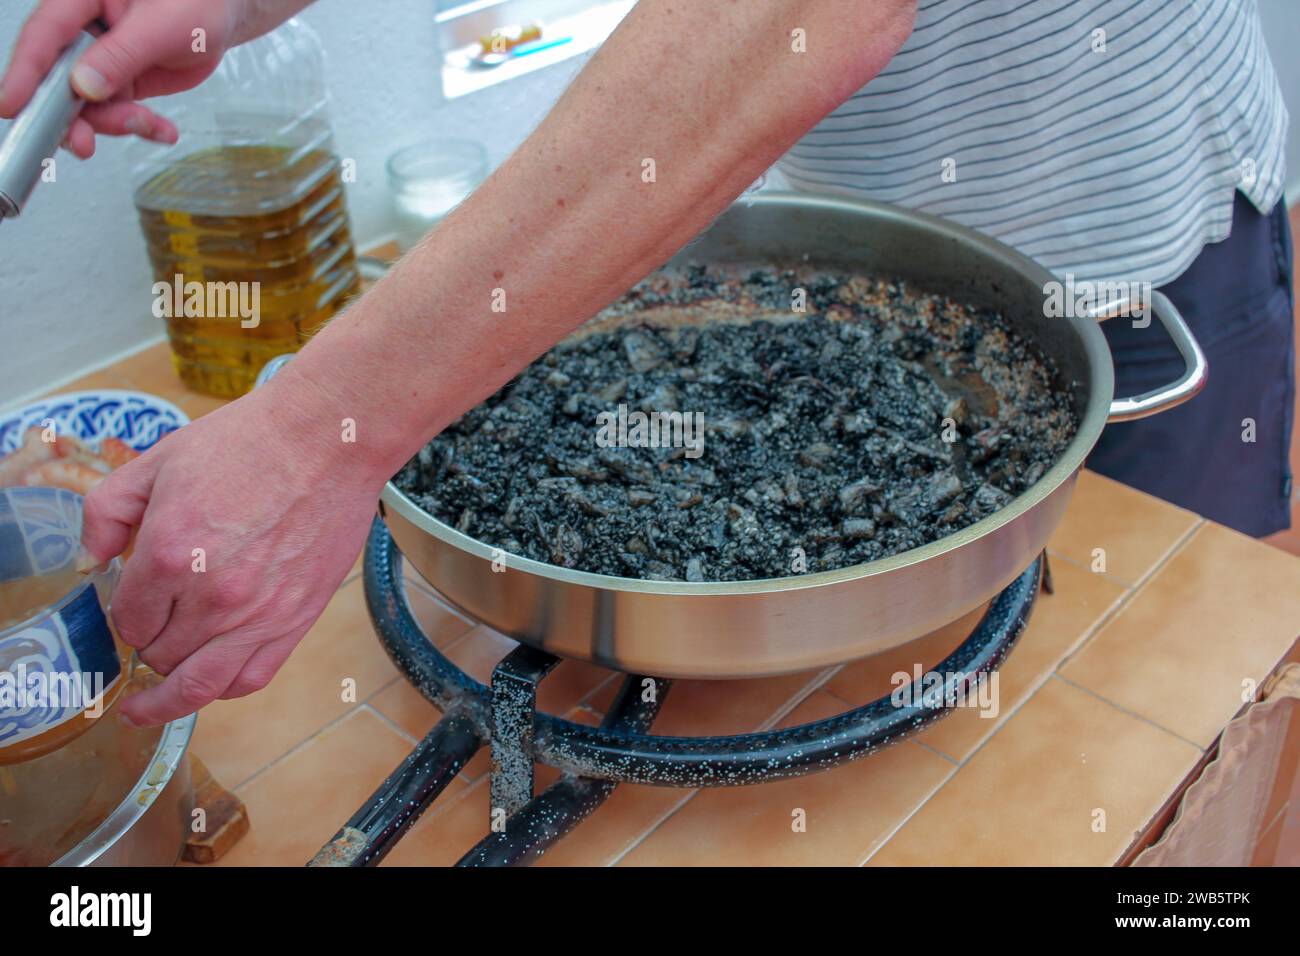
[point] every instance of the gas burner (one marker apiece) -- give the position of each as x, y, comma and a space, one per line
594, 760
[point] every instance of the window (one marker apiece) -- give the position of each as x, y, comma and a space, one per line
567, 28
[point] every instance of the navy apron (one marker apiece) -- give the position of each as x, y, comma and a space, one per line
1238, 299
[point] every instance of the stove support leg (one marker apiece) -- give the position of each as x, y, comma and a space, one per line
514, 702
594, 760
545, 819
408, 791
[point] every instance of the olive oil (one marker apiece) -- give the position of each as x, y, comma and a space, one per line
236, 216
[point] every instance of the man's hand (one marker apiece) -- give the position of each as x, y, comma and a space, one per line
152, 48
249, 519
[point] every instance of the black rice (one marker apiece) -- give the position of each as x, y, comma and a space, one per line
876, 421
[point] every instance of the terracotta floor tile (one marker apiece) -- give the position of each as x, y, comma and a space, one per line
480, 651
477, 651
1134, 529
600, 840
107, 377
584, 715
417, 585
705, 707
860, 682
569, 684
453, 825
599, 699
298, 804
440, 624
388, 252
415, 577
150, 369
236, 738
194, 404
401, 701
846, 811
408, 709
447, 831
617, 824
1028, 796
1220, 612
1058, 624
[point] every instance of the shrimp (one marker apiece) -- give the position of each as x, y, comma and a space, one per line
73, 448
32, 452
66, 462
115, 453
70, 473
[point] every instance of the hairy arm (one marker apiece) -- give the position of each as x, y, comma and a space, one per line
710, 93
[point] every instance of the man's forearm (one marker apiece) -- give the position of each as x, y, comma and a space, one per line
703, 95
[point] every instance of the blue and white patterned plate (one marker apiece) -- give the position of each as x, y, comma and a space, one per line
139, 419
55, 664
39, 531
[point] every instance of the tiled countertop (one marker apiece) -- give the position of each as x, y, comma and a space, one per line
1113, 696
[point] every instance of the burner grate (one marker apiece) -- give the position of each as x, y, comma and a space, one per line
621, 750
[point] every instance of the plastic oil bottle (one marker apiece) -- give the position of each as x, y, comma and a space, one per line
244, 219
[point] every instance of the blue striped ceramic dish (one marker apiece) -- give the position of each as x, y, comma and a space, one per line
137, 418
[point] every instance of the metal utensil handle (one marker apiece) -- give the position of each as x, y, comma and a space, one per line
1196, 368
39, 129
270, 368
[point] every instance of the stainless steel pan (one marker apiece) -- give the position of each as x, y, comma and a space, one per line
720, 630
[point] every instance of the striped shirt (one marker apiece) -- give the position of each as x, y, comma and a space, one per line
1103, 138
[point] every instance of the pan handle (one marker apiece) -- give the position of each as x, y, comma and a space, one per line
1195, 373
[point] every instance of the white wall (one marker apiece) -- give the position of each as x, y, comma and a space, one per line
74, 278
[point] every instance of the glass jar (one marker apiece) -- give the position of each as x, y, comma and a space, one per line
429, 179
